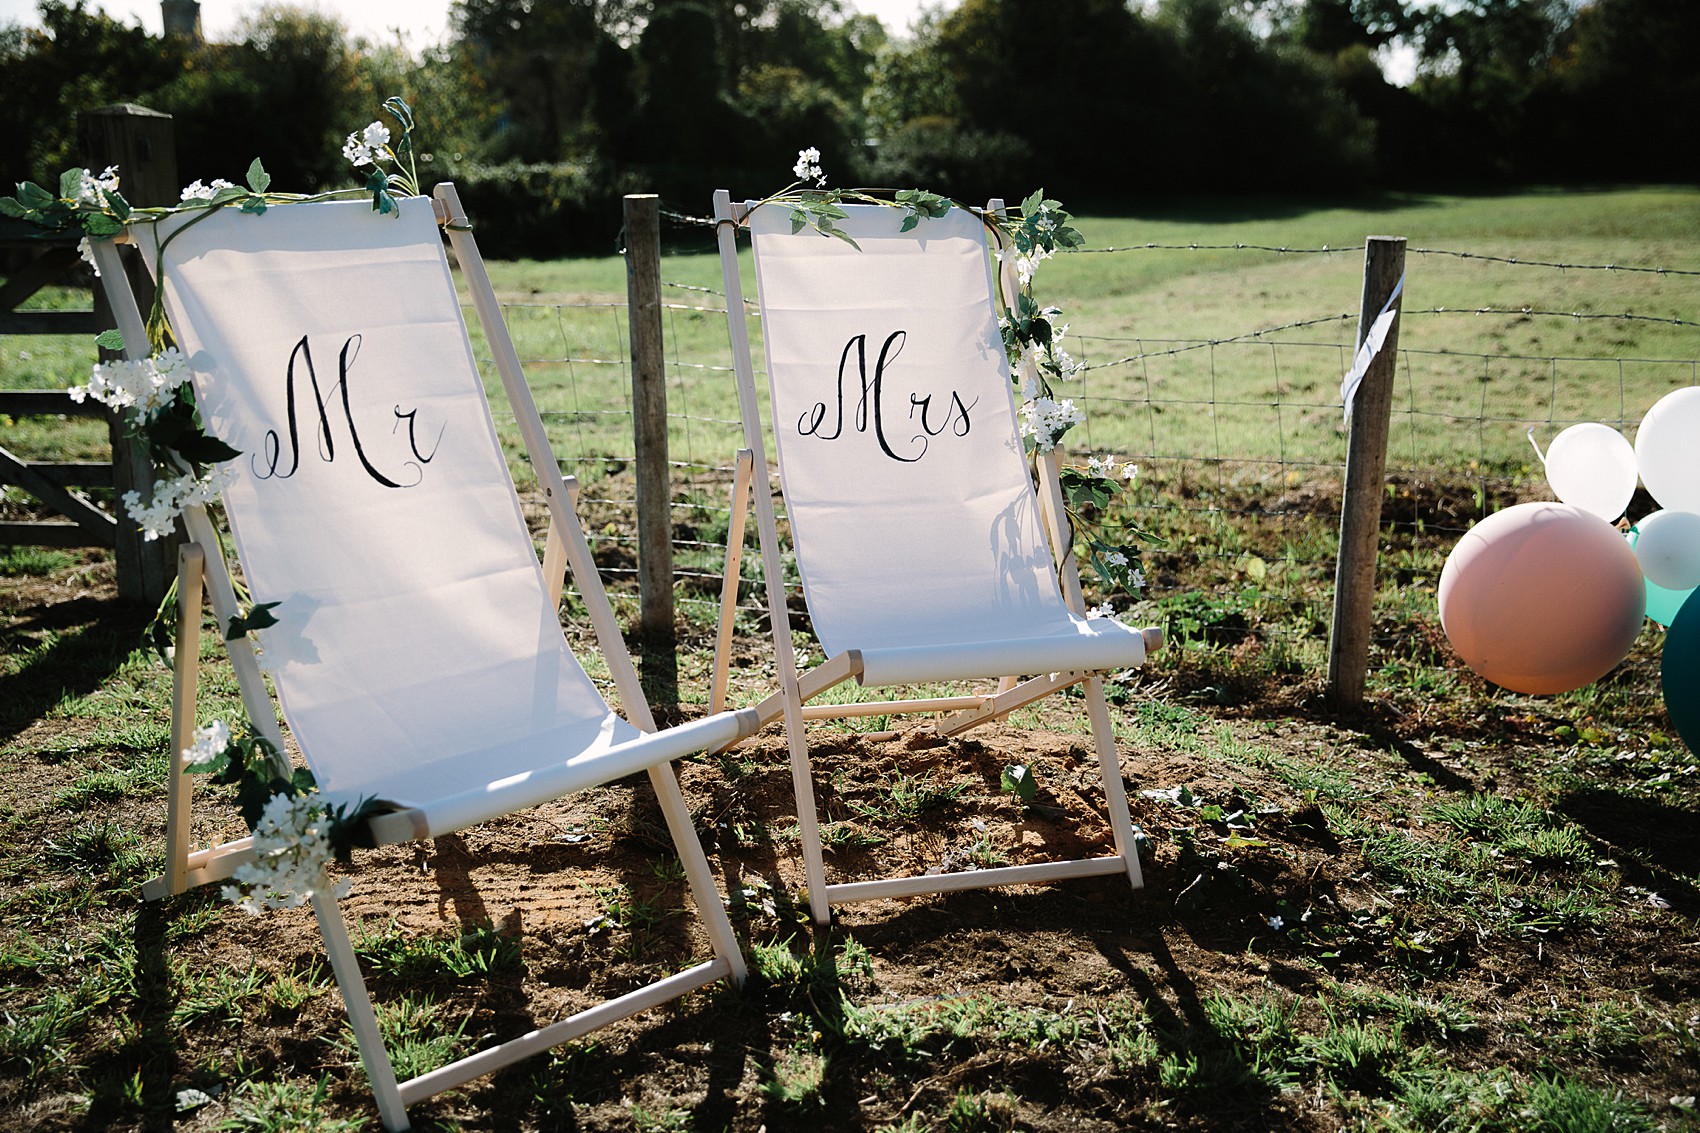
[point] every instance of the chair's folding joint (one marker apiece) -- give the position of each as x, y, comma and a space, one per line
811, 684
749, 723
397, 826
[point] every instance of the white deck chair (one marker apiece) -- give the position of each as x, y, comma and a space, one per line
418, 657
926, 554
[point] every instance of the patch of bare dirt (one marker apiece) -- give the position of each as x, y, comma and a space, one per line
1262, 896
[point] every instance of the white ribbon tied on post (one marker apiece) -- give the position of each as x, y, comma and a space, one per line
1369, 348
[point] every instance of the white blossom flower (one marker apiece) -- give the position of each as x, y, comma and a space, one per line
1130, 470
1104, 610
367, 147
292, 850
210, 742
1136, 581
195, 191
1026, 264
140, 387
1067, 367
92, 190
1115, 558
172, 497
86, 251
1276, 923
1046, 420
808, 166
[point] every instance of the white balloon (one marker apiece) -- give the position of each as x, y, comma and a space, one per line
1668, 549
1667, 449
1592, 466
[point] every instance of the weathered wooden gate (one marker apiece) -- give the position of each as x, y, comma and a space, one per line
140, 143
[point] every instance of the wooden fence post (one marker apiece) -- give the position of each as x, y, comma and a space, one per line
1366, 474
141, 143
649, 416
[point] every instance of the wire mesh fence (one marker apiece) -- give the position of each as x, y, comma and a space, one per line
1238, 430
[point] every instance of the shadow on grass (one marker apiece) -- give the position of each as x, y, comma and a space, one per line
142, 1072
1660, 841
90, 639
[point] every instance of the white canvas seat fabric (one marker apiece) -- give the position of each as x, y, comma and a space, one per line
328, 347
917, 531
417, 653
925, 553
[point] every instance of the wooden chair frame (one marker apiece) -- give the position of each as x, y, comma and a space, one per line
203, 570
956, 714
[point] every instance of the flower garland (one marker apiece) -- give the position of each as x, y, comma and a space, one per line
296, 832
1025, 237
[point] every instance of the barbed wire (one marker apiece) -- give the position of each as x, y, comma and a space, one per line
686, 219
1189, 345
1522, 262
1326, 250
1235, 247
1626, 316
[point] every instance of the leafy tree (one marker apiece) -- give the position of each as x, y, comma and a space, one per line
77, 60
541, 61
1622, 73
293, 84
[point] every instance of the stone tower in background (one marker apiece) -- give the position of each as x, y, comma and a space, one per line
182, 18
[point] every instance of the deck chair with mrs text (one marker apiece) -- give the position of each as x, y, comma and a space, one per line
418, 656
925, 549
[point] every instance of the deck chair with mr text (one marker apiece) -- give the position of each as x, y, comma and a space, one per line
925, 549
418, 657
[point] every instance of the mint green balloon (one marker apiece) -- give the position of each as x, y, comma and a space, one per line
1662, 604
1681, 673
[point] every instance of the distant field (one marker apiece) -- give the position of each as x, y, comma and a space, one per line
1246, 398
1254, 398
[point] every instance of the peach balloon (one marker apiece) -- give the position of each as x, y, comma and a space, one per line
1542, 598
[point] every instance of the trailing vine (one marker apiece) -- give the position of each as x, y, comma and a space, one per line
296, 831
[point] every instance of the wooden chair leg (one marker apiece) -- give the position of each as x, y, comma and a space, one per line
1115, 793
380, 1072
185, 677
742, 474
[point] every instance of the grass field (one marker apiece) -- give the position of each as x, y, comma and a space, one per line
1455, 909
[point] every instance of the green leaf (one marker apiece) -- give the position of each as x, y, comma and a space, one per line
101, 226
1087, 488
830, 230
110, 340
12, 207
1018, 780
70, 183
171, 425
799, 220
398, 108
258, 179
258, 617
200, 448
33, 195
254, 206
119, 206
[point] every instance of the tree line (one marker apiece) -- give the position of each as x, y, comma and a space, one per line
545, 111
